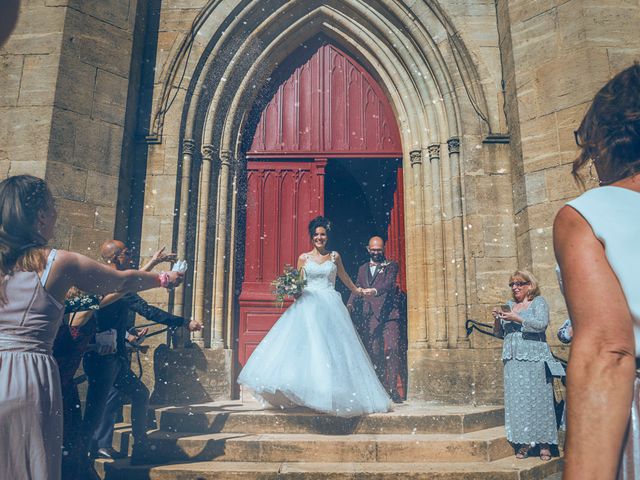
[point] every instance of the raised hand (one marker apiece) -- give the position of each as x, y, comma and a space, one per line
161, 257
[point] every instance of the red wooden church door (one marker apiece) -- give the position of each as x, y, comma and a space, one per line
329, 107
282, 198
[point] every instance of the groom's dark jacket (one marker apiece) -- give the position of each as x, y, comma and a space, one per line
375, 310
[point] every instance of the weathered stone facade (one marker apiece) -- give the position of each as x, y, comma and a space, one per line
487, 95
66, 69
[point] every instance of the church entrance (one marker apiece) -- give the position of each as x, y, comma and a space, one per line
326, 143
363, 198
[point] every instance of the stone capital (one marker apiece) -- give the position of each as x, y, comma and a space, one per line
434, 151
207, 152
188, 146
454, 145
415, 157
225, 158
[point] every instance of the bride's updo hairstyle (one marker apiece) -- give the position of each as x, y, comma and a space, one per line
319, 221
610, 131
22, 197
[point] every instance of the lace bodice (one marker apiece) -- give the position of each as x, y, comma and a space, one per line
320, 275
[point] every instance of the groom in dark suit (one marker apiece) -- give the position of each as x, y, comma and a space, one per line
377, 315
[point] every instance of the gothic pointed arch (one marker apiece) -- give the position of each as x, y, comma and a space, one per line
433, 93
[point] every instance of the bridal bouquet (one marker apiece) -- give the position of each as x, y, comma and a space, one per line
288, 285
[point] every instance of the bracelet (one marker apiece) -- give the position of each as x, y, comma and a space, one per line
163, 277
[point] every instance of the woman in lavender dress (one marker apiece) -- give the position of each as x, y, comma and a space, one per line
33, 282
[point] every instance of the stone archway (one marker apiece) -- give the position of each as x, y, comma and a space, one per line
424, 91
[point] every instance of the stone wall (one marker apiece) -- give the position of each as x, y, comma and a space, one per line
67, 68
556, 55
29, 64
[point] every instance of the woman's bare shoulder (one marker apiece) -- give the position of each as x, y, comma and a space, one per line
65, 257
569, 221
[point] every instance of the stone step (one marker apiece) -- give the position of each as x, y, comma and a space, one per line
503, 469
234, 416
485, 445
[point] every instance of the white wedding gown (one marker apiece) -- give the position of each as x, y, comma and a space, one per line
313, 356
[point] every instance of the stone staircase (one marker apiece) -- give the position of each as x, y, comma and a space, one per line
234, 440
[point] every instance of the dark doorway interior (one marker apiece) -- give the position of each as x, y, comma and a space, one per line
358, 201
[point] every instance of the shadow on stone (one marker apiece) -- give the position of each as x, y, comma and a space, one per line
178, 375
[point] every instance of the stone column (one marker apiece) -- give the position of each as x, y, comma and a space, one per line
201, 242
417, 298
188, 149
220, 253
436, 268
458, 334
236, 165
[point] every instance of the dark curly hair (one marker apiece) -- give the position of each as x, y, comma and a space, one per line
319, 221
610, 131
22, 197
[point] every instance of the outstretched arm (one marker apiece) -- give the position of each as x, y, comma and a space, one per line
157, 258
72, 269
602, 365
344, 276
155, 314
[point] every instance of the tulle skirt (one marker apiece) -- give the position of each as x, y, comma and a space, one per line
313, 357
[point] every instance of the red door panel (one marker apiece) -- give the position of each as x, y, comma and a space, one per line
395, 249
282, 198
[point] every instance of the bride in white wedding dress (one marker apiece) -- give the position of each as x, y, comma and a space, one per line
312, 356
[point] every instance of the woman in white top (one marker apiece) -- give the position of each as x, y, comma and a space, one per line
596, 240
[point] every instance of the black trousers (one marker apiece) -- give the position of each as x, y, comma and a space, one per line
101, 371
126, 385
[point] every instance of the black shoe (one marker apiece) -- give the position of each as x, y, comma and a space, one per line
108, 452
395, 397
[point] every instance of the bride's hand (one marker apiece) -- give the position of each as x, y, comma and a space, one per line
359, 292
